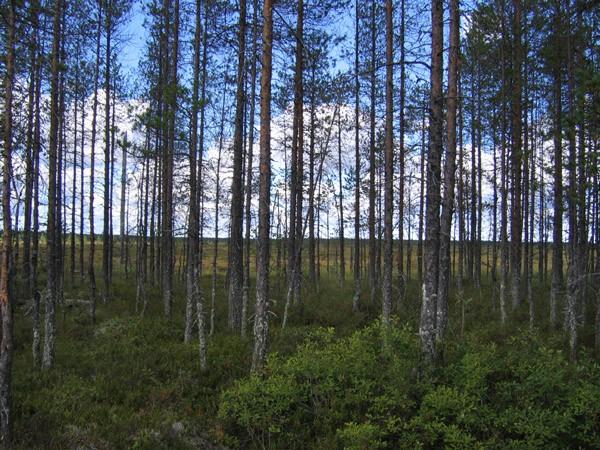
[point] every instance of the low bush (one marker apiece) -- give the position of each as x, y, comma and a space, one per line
366, 391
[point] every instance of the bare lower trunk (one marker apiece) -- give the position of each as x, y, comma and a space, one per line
516, 161
261, 319
248, 205
6, 300
449, 173
432, 229
52, 220
193, 247
237, 201
356, 298
389, 167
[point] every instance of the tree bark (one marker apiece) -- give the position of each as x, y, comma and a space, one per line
107, 158
557, 256
516, 160
52, 232
389, 167
6, 275
372, 168
261, 320
432, 225
296, 176
91, 262
193, 247
449, 176
237, 200
248, 205
356, 298
342, 274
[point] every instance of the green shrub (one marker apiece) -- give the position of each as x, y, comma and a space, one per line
328, 384
359, 392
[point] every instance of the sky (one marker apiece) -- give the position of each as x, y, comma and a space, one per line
135, 36
131, 50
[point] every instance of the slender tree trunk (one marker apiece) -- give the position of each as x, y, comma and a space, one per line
30, 174
53, 211
213, 292
557, 257
6, 275
296, 176
200, 195
401, 157
192, 279
237, 200
576, 215
107, 187
91, 262
357, 254
167, 225
74, 181
516, 160
36, 164
389, 167
449, 176
421, 201
432, 226
248, 205
312, 274
372, 167
342, 275
82, 195
261, 318
461, 195
123, 229
504, 254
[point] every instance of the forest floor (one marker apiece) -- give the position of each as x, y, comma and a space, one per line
131, 382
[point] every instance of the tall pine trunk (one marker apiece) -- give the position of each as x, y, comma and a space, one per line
389, 167
261, 319
53, 211
449, 176
6, 276
432, 221
357, 254
237, 200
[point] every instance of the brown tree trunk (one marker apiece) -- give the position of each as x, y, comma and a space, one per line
388, 263
557, 256
52, 220
193, 247
123, 229
516, 160
213, 286
296, 176
449, 176
312, 274
31, 149
432, 221
421, 201
237, 200
342, 274
248, 205
401, 157
6, 275
261, 319
107, 158
372, 169
91, 262
357, 255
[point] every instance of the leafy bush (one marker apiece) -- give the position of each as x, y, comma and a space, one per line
358, 392
327, 384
